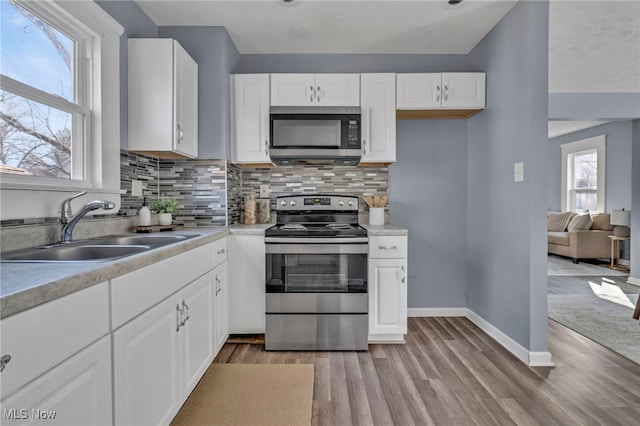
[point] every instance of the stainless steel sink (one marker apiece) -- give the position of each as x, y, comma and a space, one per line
151, 240
100, 249
75, 253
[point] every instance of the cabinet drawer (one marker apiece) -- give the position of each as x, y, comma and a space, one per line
42, 337
219, 251
388, 247
139, 290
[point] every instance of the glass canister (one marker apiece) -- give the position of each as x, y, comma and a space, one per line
265, 210
250, 209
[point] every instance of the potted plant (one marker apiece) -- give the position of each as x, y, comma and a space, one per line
164, 206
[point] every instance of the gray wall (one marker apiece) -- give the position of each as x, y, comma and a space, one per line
428, 187
635, 202
506, 221
216, 55
136, 25
618, 164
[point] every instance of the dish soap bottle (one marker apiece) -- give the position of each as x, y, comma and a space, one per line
144, 214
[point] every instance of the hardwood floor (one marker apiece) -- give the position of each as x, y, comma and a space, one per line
451, 373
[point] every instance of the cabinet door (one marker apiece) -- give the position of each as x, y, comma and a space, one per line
246, 284
378, 102
196, 334
76, 392
221, 305
293, 90
186, 103
251, 118
337, 89
387, 298
419, 91
147, 367
463, 90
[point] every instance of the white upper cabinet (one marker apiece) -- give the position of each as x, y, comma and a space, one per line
425, 91
250, 118
163, 99
315, 89
378, 103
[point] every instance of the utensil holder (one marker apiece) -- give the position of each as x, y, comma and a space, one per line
376, 216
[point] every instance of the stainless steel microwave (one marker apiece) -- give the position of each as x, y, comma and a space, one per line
315, 135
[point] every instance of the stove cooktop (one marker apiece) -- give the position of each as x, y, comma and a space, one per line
316, 230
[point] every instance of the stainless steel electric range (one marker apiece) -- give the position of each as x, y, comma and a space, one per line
316, 275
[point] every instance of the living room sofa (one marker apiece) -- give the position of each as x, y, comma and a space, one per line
576, 243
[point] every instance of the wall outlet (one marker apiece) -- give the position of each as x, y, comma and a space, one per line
518, 172
136, 188
264, 191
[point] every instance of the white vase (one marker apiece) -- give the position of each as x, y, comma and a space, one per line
164, 218
376, 215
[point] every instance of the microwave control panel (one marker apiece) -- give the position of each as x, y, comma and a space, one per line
353, 133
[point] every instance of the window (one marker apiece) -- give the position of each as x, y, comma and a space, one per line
44, 100
66, 137
583, 172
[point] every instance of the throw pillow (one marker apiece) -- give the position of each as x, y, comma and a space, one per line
601, 221
557, 222
581, 222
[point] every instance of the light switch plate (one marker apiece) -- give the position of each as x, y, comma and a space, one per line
518, 172
264, 191
136, 188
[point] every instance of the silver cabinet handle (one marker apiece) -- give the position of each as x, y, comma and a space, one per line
221, 251
404, 271
313, 93
318, 94
388, 247
186, 312
180, 134
4, 361
438, 91
364, 146
266, 147
446, 92
178, 318
218, 289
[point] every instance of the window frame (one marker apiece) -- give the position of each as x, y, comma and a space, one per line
39, 197
569, 150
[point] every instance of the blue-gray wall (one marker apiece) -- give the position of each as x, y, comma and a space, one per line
506, 221
428, 187
635, 202
618, 164
216, 55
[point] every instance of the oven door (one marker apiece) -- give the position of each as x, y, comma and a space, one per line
316, 267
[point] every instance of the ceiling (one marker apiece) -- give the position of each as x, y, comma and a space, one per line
346, 26
594, 45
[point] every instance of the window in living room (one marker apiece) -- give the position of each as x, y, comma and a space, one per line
583, 164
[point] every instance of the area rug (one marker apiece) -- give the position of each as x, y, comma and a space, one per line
561, 266
250, 394
606, 318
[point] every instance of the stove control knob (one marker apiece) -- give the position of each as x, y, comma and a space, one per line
283, 203
351, 203
341, 203
292, 203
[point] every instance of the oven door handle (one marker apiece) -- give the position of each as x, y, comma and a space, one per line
302, 248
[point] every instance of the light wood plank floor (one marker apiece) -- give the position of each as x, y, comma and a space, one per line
451, 373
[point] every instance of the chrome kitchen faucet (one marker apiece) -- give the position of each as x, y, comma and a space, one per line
69, 220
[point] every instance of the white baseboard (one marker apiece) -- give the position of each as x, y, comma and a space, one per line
633, 280
532, 359
437, 312
624, 262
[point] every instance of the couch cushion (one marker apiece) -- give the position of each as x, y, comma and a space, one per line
557, 222
581, 222
601, 221
559, 238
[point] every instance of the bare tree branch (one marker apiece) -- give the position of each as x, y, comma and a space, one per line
19, 126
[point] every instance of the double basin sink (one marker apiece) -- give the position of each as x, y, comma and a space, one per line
100, 249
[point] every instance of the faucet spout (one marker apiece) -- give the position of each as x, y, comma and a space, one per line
69, 221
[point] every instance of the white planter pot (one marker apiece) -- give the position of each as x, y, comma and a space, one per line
164, 218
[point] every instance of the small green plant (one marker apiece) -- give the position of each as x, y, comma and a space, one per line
163, 205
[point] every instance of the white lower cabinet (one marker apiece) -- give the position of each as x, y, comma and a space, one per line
247, 292
161, 355
387, 288
76, 392
220, 300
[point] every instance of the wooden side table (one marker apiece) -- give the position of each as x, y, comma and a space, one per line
615, 253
